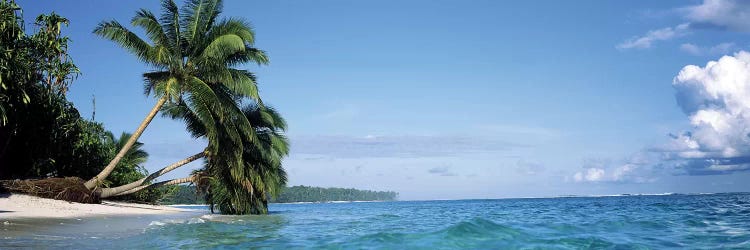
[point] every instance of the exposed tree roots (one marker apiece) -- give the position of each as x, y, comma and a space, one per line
67, 189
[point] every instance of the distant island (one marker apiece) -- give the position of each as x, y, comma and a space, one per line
185, 194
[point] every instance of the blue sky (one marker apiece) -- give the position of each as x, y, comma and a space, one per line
470, 99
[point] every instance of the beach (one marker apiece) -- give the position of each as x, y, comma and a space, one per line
32, 222
20, 206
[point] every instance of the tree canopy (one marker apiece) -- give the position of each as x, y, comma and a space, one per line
186, 194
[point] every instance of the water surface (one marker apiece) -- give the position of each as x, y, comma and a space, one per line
624, 222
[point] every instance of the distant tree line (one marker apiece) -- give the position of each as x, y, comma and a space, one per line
188, 195
319, 194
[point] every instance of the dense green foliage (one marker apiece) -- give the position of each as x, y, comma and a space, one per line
31, 60
183, 194
41, 133
131, 169
188, 195
319, 194
242, 185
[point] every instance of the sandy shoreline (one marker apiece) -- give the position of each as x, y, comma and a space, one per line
19, 206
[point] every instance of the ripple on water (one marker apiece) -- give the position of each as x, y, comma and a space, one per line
643, 222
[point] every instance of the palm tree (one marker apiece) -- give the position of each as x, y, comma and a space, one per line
191, 52
232, 129
245, 190
130, 168
125, 188
244, 187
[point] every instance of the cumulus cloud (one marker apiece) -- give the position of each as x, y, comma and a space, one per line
635, 169
719, 49
724, 14
593, 171
716, 99
591, 174
646, 41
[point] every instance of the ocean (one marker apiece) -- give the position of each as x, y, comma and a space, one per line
675, 221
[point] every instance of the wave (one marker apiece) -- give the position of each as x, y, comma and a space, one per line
480, 227
476, 233
176, 221
615, 195
468, 230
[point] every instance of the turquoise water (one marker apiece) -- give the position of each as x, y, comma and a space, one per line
625, 222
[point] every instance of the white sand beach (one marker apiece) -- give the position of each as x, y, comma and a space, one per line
19, 206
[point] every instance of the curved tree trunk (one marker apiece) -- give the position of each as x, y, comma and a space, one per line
108, 192
159, 184
94, 182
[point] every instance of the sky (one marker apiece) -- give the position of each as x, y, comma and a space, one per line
439, 99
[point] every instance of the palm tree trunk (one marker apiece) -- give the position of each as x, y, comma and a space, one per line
160, 184
108, 192
94, 182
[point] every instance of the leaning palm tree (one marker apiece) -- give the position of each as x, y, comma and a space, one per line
246, 190
130, 167
190, 52
232, 187
124, 188
233, 128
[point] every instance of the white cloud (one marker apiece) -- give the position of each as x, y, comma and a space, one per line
716, 99
719, 49
647, 40
591, 175
634, 170
725, 14
731, 15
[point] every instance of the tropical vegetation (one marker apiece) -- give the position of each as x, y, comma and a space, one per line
319, 194
42, 134
193, 61
185, 194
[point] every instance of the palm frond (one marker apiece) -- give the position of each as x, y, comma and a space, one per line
148, 21
152, 79
117, 33
170, 20
221, 48
235, 26
240, 82
249, 55
160, 53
